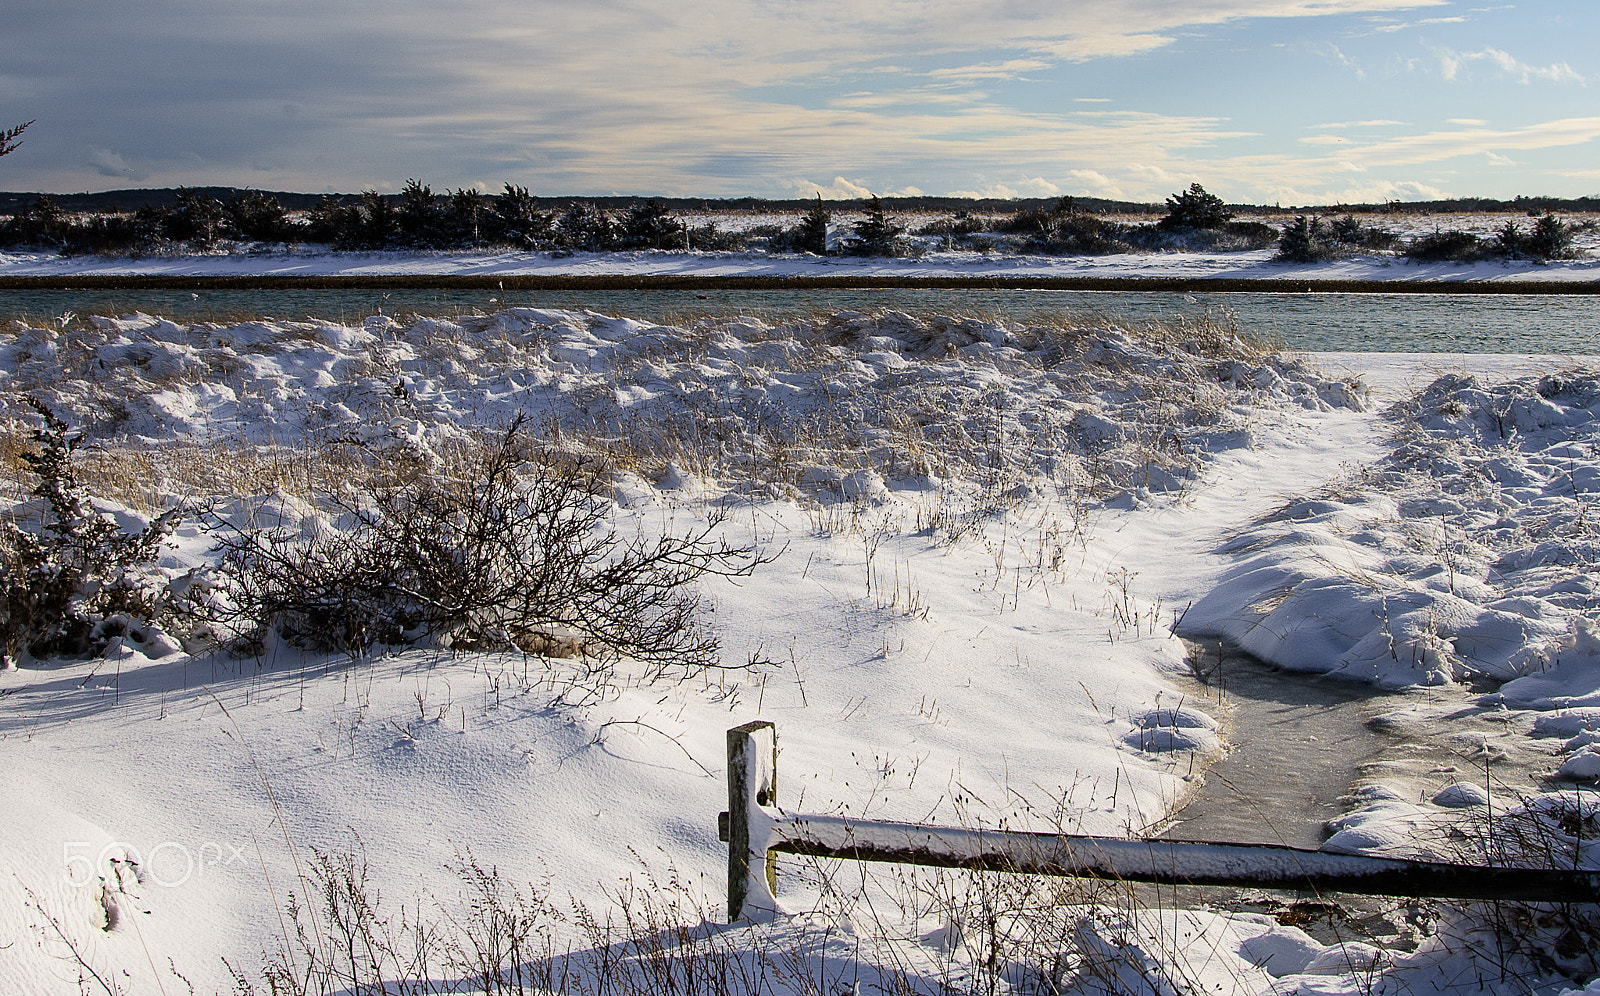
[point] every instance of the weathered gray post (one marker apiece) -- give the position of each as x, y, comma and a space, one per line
752, 783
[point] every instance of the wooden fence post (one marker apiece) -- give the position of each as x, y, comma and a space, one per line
752, 783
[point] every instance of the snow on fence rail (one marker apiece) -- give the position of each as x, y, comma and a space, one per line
757, 831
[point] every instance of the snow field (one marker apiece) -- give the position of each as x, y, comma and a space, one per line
981, 535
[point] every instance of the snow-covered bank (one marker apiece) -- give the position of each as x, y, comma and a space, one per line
1464, 554
1255, 265
981, 532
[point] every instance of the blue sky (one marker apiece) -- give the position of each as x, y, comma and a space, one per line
1287, 101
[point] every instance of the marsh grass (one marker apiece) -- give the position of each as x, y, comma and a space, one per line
930, 417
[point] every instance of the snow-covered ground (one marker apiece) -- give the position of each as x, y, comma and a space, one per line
981, 536
1257, 265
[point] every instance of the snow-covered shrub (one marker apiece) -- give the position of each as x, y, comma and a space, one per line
1450, 245
73, 578
509, 549
1351, 232
1551, 238
1074, 233
196, 218
257, 217
1307, 240
41, 223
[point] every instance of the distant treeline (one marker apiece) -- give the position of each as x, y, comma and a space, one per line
124, 201
418, 218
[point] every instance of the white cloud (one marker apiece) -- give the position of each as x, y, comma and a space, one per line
1032, 187
1384, 163
1334, 55
112, 164
1346, 125
1441, 145
1009, 70
839, 190
1380, 191
1449, 65
1097, 184
1453, 63
1423, 22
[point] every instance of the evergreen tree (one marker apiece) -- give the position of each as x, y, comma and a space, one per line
41, 223
253, 215
419, 217
1508, 240
813, 233
9, 136
875, 235
196, 218
380, 222
1550, 239
1195, 208
334, 222
1305, 240
586, 227
516, 219
464, 219
648, 226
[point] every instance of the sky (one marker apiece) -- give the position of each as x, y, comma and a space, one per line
1263, 101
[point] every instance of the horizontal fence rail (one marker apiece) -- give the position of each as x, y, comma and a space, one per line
1166, 862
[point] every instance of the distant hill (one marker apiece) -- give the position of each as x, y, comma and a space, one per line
1473, 205
106, 202
111, 201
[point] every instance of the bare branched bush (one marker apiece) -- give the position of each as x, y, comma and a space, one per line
72, 578
511, 549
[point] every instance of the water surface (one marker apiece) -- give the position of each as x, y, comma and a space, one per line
1453, 323
1298, 743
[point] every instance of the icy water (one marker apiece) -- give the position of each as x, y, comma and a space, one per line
1298, 741
1301, 743
1458, 323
